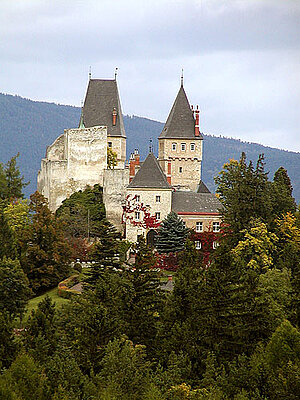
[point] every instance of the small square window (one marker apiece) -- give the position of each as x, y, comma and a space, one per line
157, 199
174, 146
192, 146
180, 169
215, 245
216, 226
198, 244
137, 197
183, 146
110, 144
157, 215
199, 226
137, 215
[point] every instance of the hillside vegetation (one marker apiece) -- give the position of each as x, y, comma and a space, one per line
28, 126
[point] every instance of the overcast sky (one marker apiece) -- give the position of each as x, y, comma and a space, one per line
241, 58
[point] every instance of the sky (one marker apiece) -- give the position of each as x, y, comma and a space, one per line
241, 59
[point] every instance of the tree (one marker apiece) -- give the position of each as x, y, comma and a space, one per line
104, 254
45, 252
8, 242
83, 213
111, 158
172, 234
8, 345
282, 190
14, 180
245, 193
14, 288
146, 302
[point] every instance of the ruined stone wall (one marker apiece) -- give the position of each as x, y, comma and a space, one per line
185, 164
75, 160
115, 182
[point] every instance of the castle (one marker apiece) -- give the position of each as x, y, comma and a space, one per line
140, 195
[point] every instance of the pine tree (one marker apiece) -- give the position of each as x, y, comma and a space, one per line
282, 190
104, 254
14, 180
172, 234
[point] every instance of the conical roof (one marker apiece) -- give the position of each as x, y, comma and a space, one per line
150, 175
180, 122
102, 97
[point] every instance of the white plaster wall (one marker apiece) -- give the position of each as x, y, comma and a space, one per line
147, 198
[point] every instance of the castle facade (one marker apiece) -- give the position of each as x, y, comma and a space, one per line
137, 196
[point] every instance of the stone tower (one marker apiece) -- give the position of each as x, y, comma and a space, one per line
180, 145
102, 107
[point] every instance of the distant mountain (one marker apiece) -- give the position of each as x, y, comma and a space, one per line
28, 127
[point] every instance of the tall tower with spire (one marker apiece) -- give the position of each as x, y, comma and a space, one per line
180, 144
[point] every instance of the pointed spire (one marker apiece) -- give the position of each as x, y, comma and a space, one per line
181, 80
81, 123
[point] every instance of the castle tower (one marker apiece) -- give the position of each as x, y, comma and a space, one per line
180, 145
102, 107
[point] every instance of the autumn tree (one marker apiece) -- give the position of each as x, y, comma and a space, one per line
111, 158
45, 253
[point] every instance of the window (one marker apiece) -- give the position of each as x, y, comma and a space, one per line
216, 226
180, 169
215, 245
193, 146
174, 146
184, 223
198, 244
199, 226
137, 197
157, 199
137, 215
110, 144
183, 146
157, 215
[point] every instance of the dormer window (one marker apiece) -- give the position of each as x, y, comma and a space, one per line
183, 146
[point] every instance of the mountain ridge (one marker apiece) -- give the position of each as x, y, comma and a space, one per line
29, 126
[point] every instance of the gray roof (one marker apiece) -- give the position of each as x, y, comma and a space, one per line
150, 175
180, 123
191, 202
101, 98
202, 188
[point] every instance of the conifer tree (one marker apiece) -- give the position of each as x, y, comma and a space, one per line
14, 181
104, 254
282, 190
172, 234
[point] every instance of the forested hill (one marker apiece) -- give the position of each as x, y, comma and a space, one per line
28, 126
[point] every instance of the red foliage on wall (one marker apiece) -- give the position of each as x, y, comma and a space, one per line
131, 207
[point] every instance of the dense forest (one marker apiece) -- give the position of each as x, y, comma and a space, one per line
228, 329
28, 126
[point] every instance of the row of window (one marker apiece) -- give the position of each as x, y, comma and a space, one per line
199, 226
183, 146
137, 216
198, 245
138, 198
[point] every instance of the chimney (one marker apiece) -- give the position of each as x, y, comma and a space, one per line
169, 173
197, 112
134, 164
114, 116
170, 277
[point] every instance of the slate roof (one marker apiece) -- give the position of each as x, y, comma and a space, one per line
150, 175
191, 202
202, 188
180, 123
101, 98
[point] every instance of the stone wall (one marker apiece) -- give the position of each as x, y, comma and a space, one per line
115, 182
75, 160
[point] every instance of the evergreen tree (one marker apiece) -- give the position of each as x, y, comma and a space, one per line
245, 193
8, 345
45, 252
14, 181
282, 190
14, 288
3, 183
104, 254
146, 301
8, 241
172, 234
